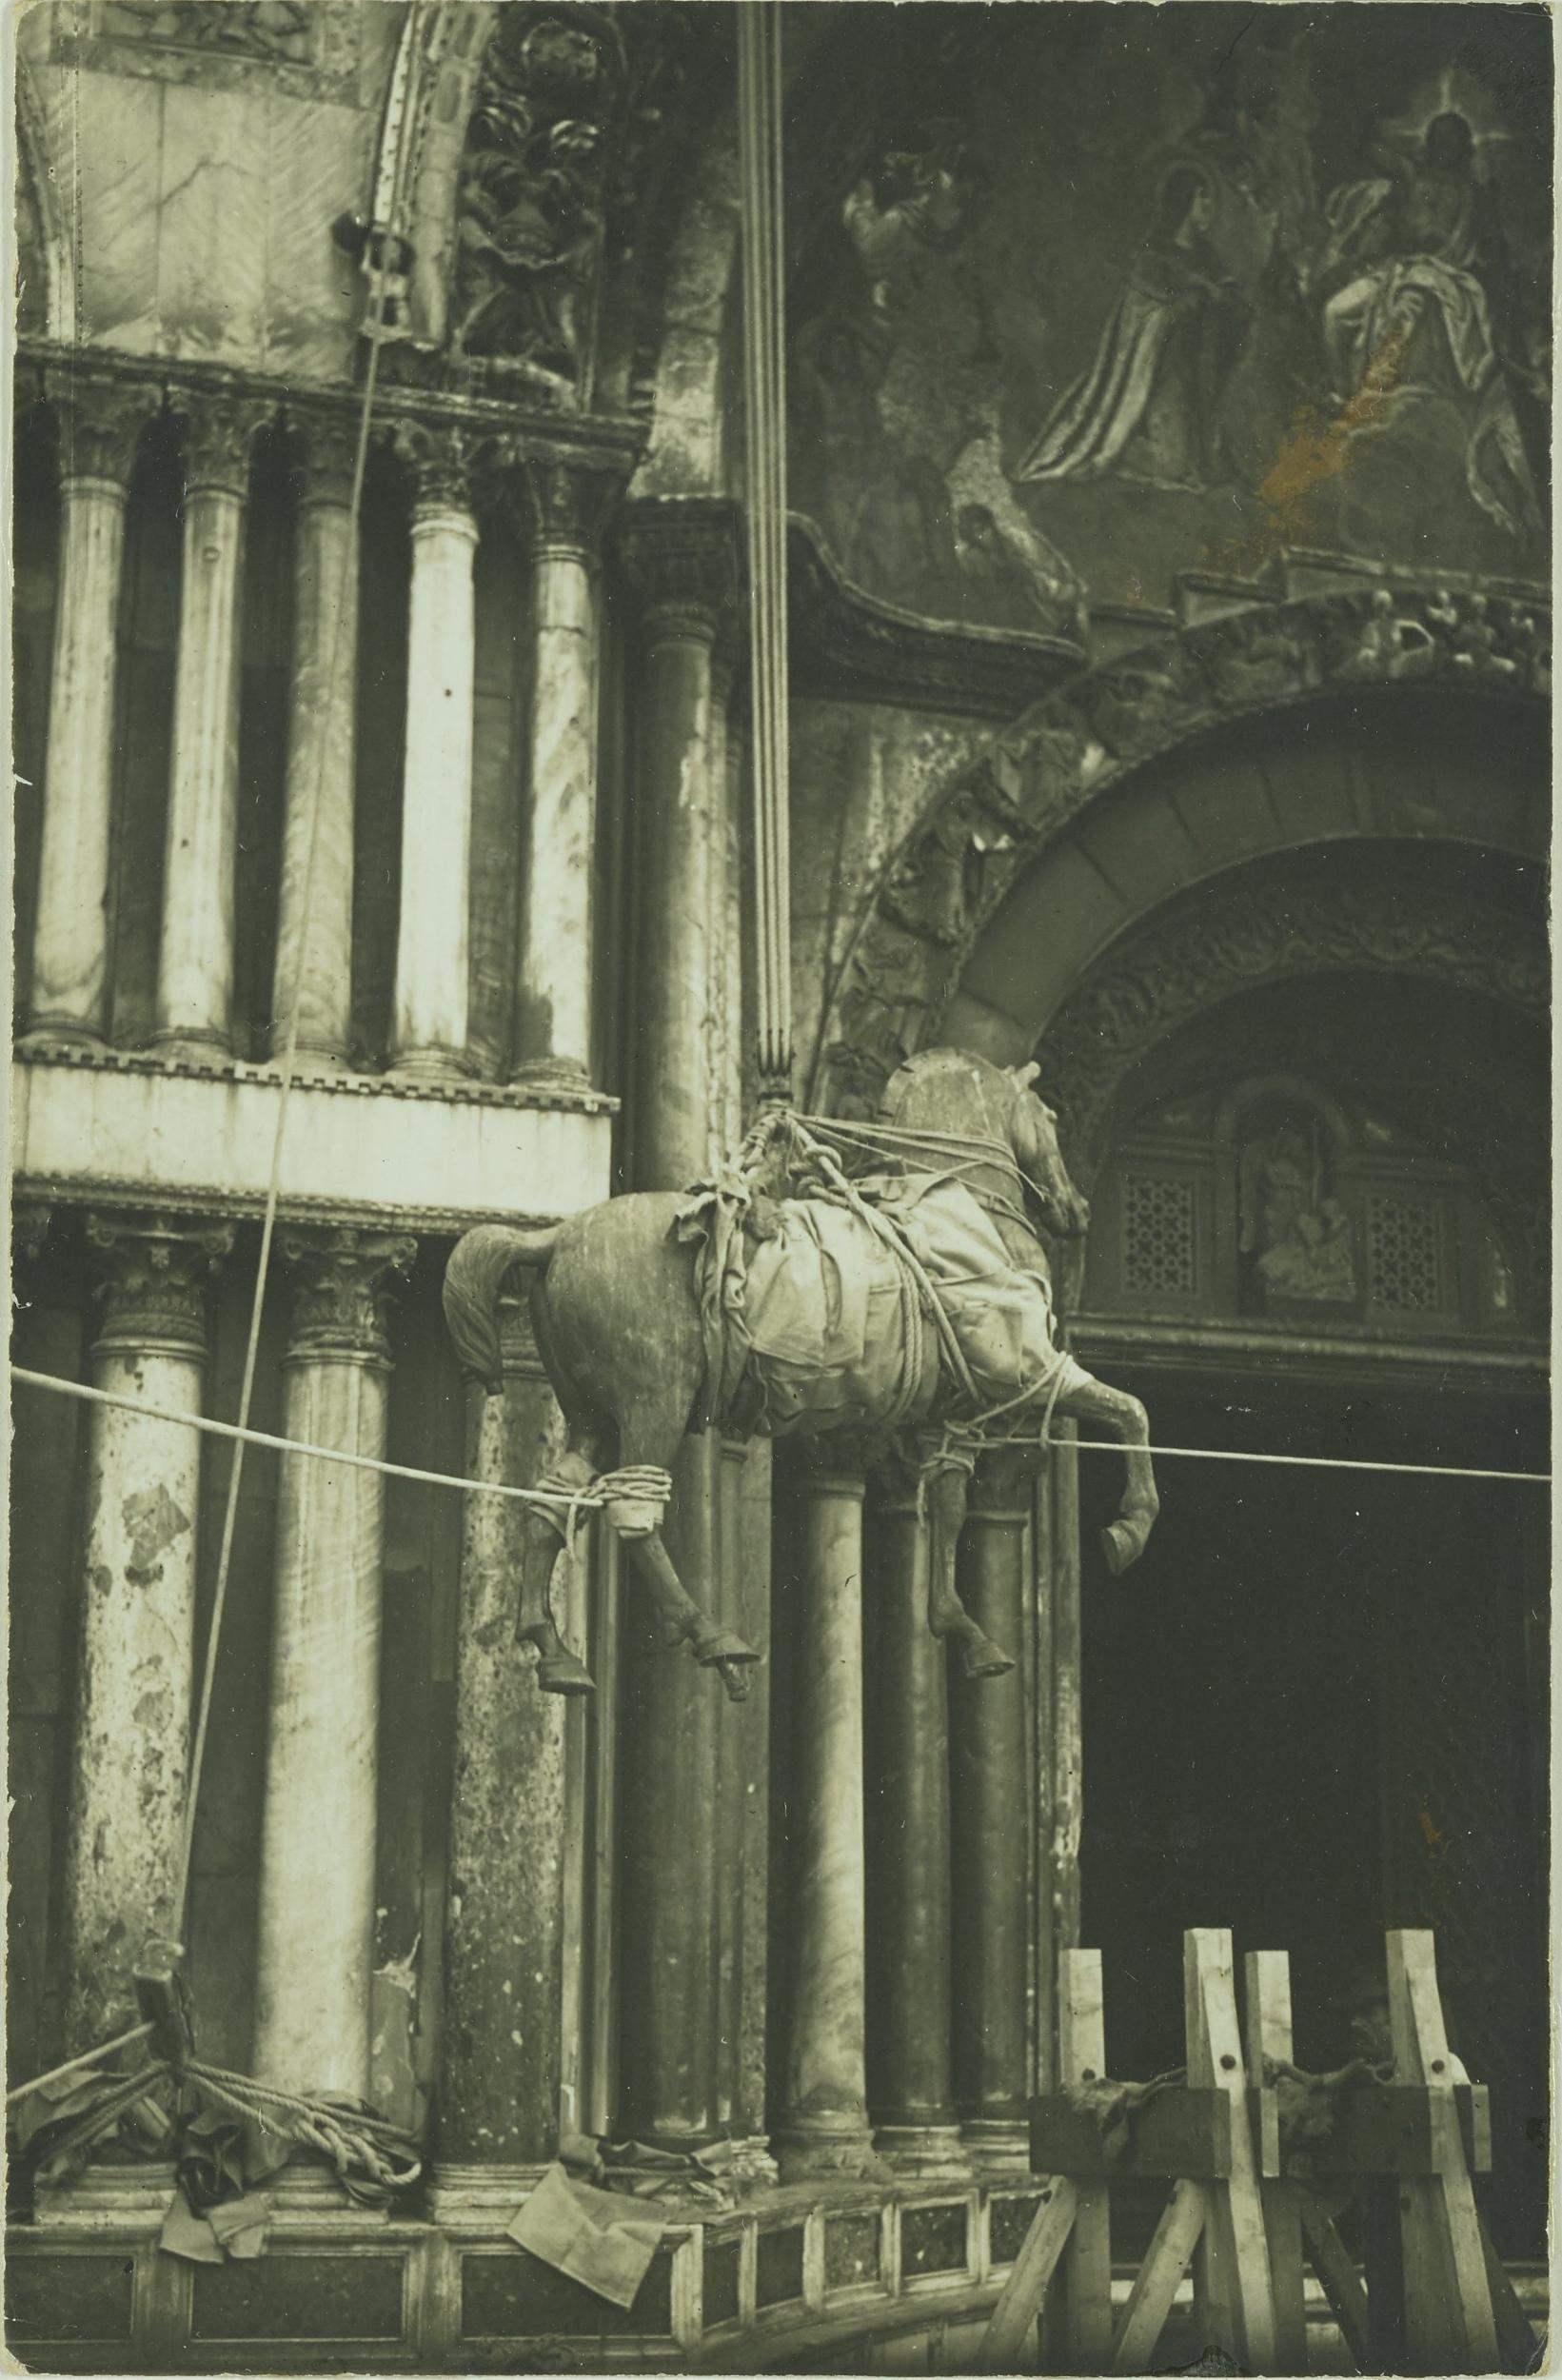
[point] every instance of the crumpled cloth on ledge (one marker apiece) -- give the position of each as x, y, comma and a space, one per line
590, 2234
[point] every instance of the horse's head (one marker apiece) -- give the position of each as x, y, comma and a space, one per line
1033, 1131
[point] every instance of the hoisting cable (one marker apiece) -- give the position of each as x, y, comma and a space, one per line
384, 232
760, 129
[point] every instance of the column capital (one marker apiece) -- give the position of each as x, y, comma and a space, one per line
683, 561
327, 453
836, 1465
442, 459
560, 506
157, 1267
100, 424
339, 1306
219, 432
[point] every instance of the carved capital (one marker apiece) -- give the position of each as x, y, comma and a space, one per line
683, 561
441, 458
219, 432
560, 507
323, 471
157, 1267
341, 1275
100, 424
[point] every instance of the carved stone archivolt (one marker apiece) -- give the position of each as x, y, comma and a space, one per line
940, 888
343, 1280
157, 1269
1223, 946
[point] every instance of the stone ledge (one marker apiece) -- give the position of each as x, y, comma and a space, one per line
176, 1136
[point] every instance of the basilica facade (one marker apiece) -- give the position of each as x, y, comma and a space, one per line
1168, 684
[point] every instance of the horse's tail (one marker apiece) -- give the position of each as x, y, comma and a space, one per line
479, 1262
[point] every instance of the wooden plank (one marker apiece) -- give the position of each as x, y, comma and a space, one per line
1448, 2298
1020, 2300
1179, 2135
1087, 2263
1156, 2282
1270, 2038
1515, 2336
1342, 2283
1238, 2292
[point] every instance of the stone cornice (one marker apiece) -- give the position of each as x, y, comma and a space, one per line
103, 1193
849, 643
608, 442
464, 1093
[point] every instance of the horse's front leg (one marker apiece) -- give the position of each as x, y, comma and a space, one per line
947, 1490
1087, 1399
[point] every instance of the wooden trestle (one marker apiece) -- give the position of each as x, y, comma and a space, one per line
1263, 2161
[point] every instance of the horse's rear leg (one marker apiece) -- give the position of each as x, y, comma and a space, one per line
948, 1486
1124, 1539
543, 1533
679, 1617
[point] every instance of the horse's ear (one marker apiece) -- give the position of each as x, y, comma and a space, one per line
1025, 1076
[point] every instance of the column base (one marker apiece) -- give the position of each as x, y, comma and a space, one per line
997, 2144
52, 1033
199, 1049
430, 1065
106, 2197
571, 1074
479, 2197
805, 2152
924, 2150
310, 2198
310, 1062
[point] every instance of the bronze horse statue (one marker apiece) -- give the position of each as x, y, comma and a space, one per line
616, 1310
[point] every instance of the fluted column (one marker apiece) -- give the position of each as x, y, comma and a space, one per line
909, 2084
315, 1953
560, 509
131, 1752
826, 2126
99, 427
314, 917
430, 1030
497, 2116
991, 1801
195, 950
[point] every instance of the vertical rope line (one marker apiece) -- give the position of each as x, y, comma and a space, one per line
387, 231
763, 253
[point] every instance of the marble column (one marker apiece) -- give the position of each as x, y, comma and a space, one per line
315, 1953
130, 1760
910, 1972
682, 1950
496, 2115
195, 949
824, 2129
560, 509
990, 1814
682, 561
314, 917
429, 1028
99, 430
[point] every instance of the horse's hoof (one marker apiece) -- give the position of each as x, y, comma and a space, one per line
983, 1658
1121, 1546
720, 1646
735, 1678
561, 1674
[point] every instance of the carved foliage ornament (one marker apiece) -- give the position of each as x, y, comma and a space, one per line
343, 1278
1223, 947
949, 877
100, 424
157, 1268
571, 101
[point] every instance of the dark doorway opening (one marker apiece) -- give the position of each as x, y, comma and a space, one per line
1317, 1709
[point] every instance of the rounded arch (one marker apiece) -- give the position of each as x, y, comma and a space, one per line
46, 259
1219, 745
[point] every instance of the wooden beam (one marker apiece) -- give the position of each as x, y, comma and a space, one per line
1159, 2277
1448, 2299
1270, 2037
1087, 2265
1019, 2302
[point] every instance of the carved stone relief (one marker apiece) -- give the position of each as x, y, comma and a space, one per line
297, 46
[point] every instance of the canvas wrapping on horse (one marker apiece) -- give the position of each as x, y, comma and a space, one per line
813, 1321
